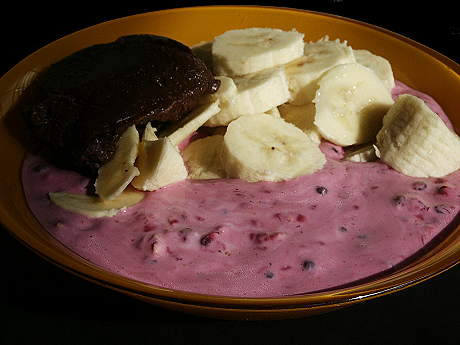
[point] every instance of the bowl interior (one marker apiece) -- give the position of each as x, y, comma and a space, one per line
413, 64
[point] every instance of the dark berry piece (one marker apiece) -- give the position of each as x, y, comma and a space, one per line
308, 265
269, 274
262, 237
443, 190
419, 185
343, 229
321, 190
278, 216
443, 209
208, 238
301, 218
172, 221
399, 200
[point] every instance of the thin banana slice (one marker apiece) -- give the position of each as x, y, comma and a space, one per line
186, 127
264, 148
416, 142
150, 133
202, 158
226, 95
255, 93
95, 207
117, 174
318, 57
301, 116
361, 154
378, 64
160, 164
350, 104
246, 51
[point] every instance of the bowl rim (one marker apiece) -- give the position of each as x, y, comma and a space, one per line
309, 300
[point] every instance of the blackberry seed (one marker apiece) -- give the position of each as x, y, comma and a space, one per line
269, 274
399, 200
321, 190
308, 265
442, 209
419, 185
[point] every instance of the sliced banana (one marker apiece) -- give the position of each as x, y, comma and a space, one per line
361, 154
255, 93
93, 206
318, 57
150, 133
264, 148
301, 116
378, 64
350, 104
117, 174
160, 164
226, 95
246, 51
416, 142
202, 158
186, 127
226, 92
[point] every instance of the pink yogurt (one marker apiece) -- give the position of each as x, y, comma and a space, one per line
347, 222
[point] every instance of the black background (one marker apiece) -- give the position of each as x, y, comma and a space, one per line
46, 305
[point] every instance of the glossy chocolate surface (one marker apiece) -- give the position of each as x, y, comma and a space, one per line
81, 104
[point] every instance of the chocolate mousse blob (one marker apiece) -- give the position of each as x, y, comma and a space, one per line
79, 106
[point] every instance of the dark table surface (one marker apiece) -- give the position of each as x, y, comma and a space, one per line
46, 305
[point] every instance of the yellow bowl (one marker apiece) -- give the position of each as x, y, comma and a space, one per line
440, 78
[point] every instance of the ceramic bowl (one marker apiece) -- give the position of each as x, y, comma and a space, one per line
439, 78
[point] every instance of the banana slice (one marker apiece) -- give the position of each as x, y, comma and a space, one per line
150, 133
264, 148
350, 104
186, 127
318, 57
226, 95
361, 154
117, 174
92, 206
378, 64
202, 158
245, 51
255, 93
160, 164
416, 142
226, 92
301, 116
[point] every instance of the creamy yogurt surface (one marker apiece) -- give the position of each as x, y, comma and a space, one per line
230, 237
